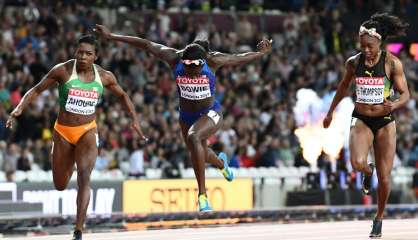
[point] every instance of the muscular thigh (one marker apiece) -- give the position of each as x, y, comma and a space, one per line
207, 125
62, 155
384, 148
86, 151
361, 139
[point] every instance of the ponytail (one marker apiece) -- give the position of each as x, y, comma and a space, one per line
388, 26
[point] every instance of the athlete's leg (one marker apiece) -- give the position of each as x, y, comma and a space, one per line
211, 156
361, 139
384, 150
62, 161
85, 157
221, 162
201, 130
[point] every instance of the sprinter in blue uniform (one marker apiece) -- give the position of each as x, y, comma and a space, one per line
194, 70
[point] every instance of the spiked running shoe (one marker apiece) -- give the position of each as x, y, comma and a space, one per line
77, 235
204, 204
367, 181
226, 171
376, 229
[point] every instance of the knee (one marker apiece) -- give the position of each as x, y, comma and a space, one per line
60, 185
384, 181
60, 181
193, 138
83, 176
357, 163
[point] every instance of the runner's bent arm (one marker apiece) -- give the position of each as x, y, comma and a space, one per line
111, 84
400, 84
343, 86
342, 89
52, 77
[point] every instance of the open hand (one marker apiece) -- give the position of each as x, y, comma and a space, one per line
135, 126
264, 46
15, 113
389, 106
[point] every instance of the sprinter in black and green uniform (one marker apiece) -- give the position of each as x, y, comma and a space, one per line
374, 73
75, 139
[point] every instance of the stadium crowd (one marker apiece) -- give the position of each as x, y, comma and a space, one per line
257, 99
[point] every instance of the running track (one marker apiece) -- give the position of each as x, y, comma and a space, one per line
351, 230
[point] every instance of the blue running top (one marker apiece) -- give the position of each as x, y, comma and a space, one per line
198, 88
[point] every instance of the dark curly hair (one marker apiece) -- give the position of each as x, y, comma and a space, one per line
194, 51
204, 43
386, 25
90, 39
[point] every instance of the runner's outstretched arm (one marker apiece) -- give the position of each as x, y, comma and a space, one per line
112, 85
48, 80
217, 59
166, 54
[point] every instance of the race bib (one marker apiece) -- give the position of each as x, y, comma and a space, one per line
81, 101
370, 90
194, 88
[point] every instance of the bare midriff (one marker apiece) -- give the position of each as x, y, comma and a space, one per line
371, 110
72, 120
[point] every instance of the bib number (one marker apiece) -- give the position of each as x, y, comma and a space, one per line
370, 90
81, 101
194, 88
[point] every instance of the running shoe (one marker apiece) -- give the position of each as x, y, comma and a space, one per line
77, 235
376, 229
367, 181
226, 171
204, 203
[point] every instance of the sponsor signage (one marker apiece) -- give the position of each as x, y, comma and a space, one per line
105, 198
149, 196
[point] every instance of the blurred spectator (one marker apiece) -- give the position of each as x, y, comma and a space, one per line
415, 183
3, 149
3, 118
136, 161
287, 156
25, 161
103, 160
270, 157
4, 95
11, 157
228, 137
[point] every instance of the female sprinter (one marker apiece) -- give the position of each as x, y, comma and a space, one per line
374, 72
80, 84
200, 115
